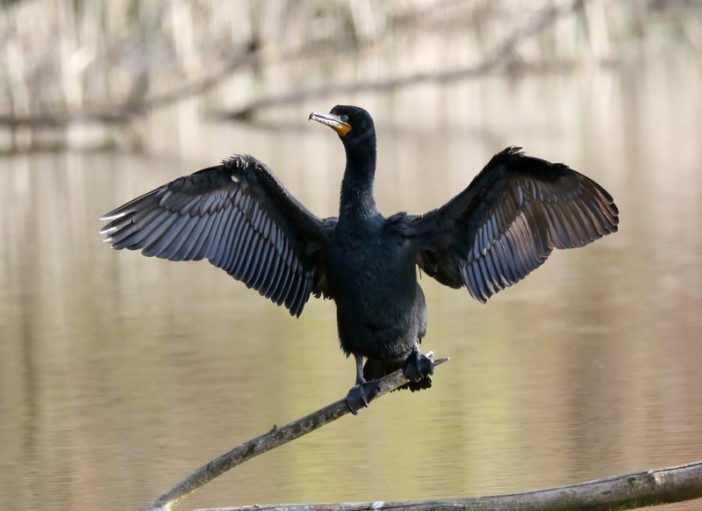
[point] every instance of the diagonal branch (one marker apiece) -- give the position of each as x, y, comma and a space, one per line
263, 443
626, 491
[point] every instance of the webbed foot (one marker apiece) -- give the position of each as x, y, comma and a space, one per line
418, 367
361, 394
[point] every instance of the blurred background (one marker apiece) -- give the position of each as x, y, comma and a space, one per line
120, 374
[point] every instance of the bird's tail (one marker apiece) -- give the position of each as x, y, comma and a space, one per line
375, 369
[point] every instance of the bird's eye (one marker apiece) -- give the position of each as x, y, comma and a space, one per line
344, 118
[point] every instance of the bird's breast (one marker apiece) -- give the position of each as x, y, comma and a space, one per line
366, 272
372, 277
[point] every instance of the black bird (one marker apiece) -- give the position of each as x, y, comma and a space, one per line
239, 216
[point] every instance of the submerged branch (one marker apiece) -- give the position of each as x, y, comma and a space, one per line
263, 443
626, 491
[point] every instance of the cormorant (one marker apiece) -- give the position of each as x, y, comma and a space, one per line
239, 217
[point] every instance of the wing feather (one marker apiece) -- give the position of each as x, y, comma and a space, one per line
507, 221
237, 216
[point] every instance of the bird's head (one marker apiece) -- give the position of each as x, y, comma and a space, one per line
353, 124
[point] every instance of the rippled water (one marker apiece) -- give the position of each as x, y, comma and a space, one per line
120, 374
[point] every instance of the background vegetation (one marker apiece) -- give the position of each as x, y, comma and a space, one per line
107, 61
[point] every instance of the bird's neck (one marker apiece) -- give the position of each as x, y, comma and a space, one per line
357, 201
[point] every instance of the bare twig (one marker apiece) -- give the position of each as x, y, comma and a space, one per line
263, 443
626, 491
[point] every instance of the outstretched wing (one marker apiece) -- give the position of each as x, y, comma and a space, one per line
507, 222
240, 218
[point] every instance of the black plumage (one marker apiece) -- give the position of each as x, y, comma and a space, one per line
239, 217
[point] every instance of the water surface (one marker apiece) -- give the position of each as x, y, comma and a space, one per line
120, 374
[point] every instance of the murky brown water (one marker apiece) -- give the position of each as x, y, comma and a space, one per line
120, 374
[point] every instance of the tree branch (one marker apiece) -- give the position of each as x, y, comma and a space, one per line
263, 443
626, 491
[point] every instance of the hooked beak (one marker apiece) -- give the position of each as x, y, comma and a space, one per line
333, 121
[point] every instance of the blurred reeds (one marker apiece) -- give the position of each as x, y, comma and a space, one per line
106, 60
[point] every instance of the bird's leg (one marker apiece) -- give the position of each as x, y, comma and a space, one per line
418, 366
361, 394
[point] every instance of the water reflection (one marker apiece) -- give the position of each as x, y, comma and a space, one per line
119, 374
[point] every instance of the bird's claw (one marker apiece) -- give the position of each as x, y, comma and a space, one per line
418, 366
361, 394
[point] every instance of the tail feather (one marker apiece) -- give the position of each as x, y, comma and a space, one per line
375, 369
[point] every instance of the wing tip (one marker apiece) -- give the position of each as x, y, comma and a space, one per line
108, 229
113, 215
